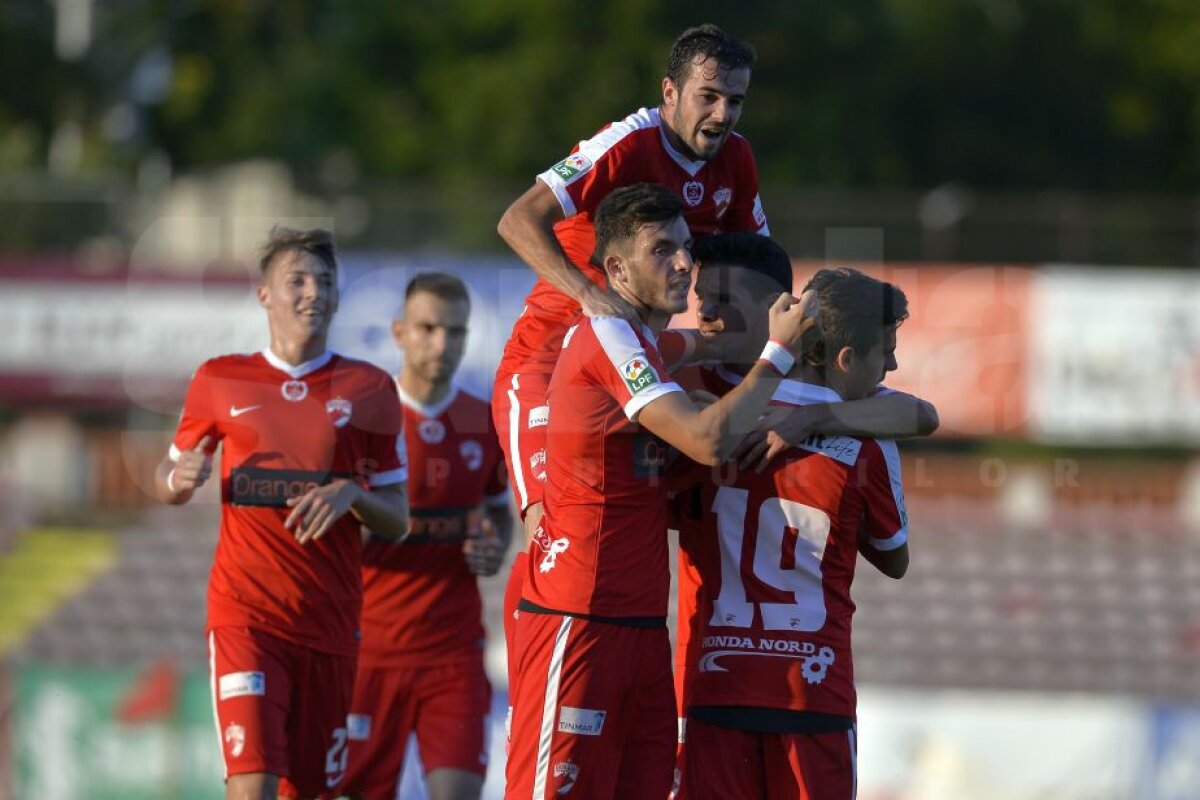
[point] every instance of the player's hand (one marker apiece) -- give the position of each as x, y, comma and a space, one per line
193, 468
794, 323
315, 511
779, 429
483, 550
597, 302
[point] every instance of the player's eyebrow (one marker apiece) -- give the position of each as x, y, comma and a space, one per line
715, 89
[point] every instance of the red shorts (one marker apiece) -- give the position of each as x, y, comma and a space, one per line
280, 708
520, 412
725, 764
512, 597
445, 704
593, 711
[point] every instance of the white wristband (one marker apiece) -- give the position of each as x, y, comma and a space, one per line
171, 481
778, 357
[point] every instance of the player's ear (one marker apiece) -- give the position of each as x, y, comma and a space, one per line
399, 328
261, 291
844, 359
670, 92
614, 268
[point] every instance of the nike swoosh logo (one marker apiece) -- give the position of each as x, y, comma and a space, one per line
234, 411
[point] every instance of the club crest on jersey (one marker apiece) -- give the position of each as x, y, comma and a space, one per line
235, 738
472, 454
339, 410
693, 192
638, 374
569, 772
572, 167
294, 391
431, 431
721, 199
537, 465
553, 548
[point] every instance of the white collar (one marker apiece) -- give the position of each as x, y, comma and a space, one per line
688, 165
429, 412
798, 393
297, 371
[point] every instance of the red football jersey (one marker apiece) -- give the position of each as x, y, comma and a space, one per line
284, 430
421, 604
602, 544
776, 553
718, 380
718, 195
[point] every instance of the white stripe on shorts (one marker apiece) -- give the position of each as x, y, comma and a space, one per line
853, 762
212, 685
550, 709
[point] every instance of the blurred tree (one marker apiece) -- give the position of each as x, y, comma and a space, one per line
998, 94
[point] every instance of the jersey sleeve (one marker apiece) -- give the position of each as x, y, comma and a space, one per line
199, 417
592, 170
746, 212
626, 367
387, 451
886, 518
495, 491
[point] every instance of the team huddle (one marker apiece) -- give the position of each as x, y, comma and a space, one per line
358, 509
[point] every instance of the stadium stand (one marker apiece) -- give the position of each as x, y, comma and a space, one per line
1067, 598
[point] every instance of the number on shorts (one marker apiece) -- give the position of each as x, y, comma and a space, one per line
785, 554
337, 758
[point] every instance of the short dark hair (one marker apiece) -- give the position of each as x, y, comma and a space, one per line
440, 284
855, 308
705, 42
752, 251
625, 211
317, 242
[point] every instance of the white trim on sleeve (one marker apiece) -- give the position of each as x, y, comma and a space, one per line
621, 345
891, 456
389, 478
593, 150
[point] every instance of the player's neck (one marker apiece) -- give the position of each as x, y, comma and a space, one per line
806, 373
675, 140
423, 390
297, 353
651, 317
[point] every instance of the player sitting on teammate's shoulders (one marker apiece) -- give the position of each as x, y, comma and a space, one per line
593, 694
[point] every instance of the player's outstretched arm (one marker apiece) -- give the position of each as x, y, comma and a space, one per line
710, 434
176, 481
382, 509
893, 415
528, 228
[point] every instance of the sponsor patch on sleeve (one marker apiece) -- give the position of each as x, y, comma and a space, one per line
572, 167
239, 684
638, 374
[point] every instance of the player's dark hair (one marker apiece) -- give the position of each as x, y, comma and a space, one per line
856, 309
751, 251
704, 42
439, 284
317, 242
624, 211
